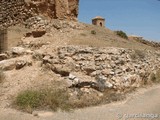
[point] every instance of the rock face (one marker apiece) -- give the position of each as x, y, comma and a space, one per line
13, 12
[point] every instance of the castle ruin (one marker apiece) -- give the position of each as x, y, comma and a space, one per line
13, 12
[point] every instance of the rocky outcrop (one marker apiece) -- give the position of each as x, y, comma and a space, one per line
14, 12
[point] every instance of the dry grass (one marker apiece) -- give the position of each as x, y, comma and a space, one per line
103, 37
60, 99
87, 100
138, 54
56, 99
155, 77
112, 96
90, 35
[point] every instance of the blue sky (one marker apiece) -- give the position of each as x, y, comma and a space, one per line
135, 17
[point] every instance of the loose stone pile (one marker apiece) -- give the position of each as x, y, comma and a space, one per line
89, 67
116, 68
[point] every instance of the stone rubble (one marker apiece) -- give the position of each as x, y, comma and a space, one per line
82, 66
112, 67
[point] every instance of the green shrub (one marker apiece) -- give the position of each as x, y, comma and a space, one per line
121, 34
93, 32
28, 100
46, 98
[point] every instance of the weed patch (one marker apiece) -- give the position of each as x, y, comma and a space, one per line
54, 99
28, 100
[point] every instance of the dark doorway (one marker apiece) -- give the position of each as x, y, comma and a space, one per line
101, 24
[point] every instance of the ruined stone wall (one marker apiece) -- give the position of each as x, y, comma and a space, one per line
12, 12
17, 11
114, 68
3, 40
62, 9
73, 7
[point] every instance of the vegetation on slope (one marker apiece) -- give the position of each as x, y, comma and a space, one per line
121, 34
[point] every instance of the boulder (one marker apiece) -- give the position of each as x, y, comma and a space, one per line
20, 64
60, 69
108, 72
108, 84
47, 59
17, 50
89, 69
71, 76
7, 64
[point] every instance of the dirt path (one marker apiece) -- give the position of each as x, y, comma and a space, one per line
146, 101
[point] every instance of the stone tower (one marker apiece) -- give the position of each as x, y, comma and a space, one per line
99, 21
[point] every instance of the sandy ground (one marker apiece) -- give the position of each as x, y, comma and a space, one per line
144, 103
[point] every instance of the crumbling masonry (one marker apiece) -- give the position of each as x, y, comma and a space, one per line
3, 40
17, 11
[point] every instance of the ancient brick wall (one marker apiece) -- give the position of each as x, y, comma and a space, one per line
17, 11
62, 9
3, 40
13, 12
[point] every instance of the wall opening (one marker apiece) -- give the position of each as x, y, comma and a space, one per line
101, 24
